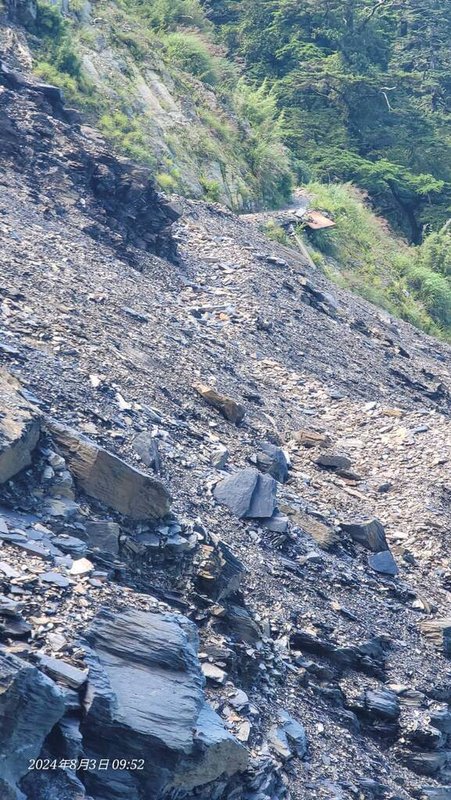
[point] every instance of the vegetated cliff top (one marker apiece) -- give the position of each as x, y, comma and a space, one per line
163, 92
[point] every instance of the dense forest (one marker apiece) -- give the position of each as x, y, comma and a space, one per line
364, 86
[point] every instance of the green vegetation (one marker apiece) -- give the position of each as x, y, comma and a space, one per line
227, 147
188, 52
363, 255
364, 86
58, 61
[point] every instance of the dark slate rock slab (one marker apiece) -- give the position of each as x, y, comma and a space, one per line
369, 534
30, 705
383, 562
145, 700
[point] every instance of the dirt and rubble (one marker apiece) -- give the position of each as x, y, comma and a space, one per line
323, 636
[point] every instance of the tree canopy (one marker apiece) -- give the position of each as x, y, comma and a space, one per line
365, 90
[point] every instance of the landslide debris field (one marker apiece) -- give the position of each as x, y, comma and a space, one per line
225, 500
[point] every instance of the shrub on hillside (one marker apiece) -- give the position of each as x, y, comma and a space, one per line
188, 52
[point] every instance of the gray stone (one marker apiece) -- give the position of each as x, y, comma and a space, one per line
383, 562
56, 579
333, 462
145, 698
382, 703
263, 501
219, 457
248, 493
278, 523
62, 671
107, 478
221, 752
288, 738
19, 428
369, 534
214, 674
71, 544
104, 536
236, 491
30, 705
272, 459
147, 448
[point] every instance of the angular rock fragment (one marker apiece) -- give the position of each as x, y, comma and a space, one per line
12, 624
62, 671
369, 534
82, 566
56, 579
382, 703
248, 493
147, 448
241, 625
145, 700
383, 562
272, 459
107, 478
30, 705
333, 462
229, 408
19, 429
438, 632
219, 571
219, 457
214, 674
103, 536
288, 737
278, 523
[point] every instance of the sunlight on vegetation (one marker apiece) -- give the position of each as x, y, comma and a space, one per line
362, 254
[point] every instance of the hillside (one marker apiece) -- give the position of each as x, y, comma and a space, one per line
184, 88
225, 501
364, 87
160, 89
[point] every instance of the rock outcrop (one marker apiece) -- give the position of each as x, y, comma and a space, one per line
107, 478
19, 429
30, 704
117, 199
145, 697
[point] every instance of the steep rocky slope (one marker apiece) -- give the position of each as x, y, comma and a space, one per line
283, 630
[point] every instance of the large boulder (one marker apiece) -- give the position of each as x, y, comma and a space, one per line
30, 705
19, 429
107, 478
369, 533
145, 701
248, 494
